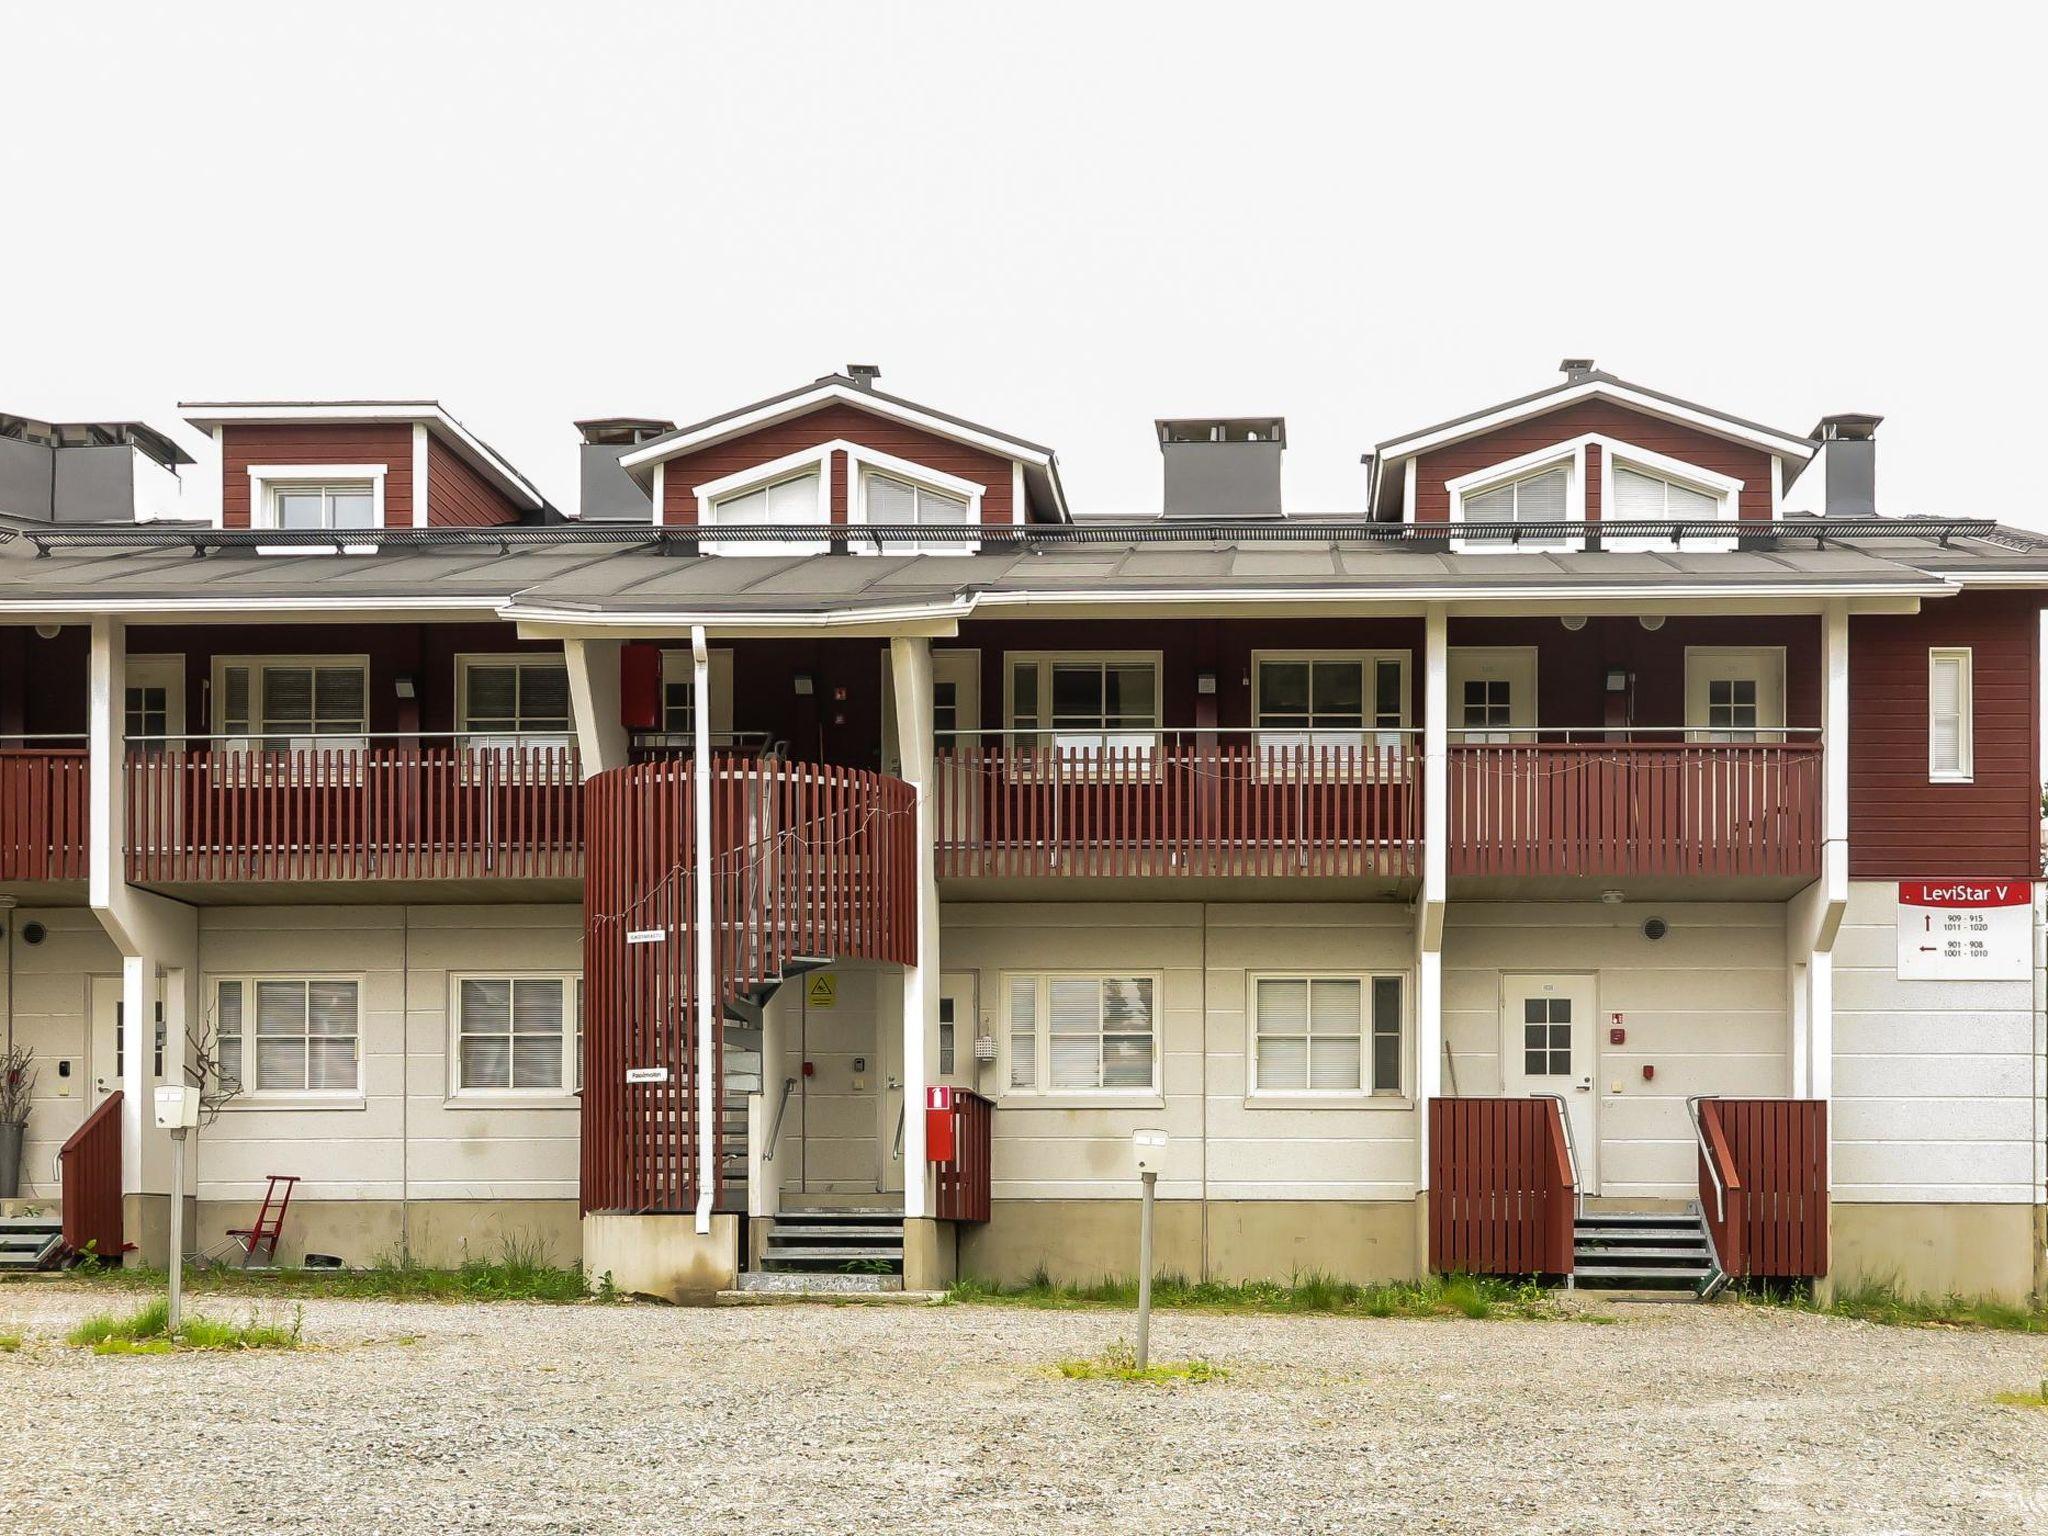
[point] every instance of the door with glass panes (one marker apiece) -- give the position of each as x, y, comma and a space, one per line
1549, 1045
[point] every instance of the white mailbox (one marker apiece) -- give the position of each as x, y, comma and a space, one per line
177, 1109
1148, 1151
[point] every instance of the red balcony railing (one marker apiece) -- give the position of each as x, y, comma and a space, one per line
1178, 803
1502, 1193
89, 1173
1537, 807
963, 1183
43, 812
1764, 1184
365, 809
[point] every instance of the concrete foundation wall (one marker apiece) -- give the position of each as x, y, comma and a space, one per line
1930, 1250
662, 1256
439, 1234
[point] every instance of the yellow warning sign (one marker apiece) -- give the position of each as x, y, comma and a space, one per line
822, 991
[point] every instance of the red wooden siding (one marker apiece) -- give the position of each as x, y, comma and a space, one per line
1902, 825
323, 442
1501, 1195
1182, 808
1655, 808
827, 422
963, 1183
808, 860
89, 1172
459, 497
1770, 1215
1752, 466
405, 811
43, 814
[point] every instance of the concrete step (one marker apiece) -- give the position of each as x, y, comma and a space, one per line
1633, 1275
796, 1284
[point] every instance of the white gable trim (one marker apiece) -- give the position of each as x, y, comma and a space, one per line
1799, 448
810, 400
1725, 489
710, 492
211, 417
1570, 453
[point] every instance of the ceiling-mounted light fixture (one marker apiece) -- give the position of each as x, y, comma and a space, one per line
1573, 622
49, 631
1651, 621
1613, 898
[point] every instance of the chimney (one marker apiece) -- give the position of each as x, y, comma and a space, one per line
608, 493
863, 374
1848, 455
1576, 370
1222, 467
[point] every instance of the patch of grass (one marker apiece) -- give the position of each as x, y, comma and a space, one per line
1883, 1301
1311, 1294
1119, 1362
2024, 1399
10, 1343
520, 1270
147, 1332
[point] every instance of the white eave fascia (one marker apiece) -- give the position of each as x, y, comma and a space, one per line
207, 415
1800, 448
1560, 595
796, 405
257, 606
948, 612
1996, 578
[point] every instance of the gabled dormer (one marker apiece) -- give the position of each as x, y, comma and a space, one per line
1592, 449
310, 465
839, 452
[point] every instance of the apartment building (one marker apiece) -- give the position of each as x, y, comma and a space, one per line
1610, 854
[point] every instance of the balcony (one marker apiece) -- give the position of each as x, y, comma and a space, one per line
43, 809
380, 808
1612, 804
1178, 803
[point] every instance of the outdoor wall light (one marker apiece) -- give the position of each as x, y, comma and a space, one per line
407, 688
1205, 682
804, 685
1617, 680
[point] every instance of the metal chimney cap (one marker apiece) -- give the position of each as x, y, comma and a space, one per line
864, 374
1576, 368
1850, 426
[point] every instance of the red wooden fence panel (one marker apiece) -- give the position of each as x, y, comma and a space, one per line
963, 1183
1771, 1220
1501, 1195
43, 811
89, 1171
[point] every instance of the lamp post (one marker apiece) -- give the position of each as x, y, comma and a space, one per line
1148, 1151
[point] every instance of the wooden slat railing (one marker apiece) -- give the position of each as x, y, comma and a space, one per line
1501, 1193
963, 1184
808, 860
89, 1173
1635, 808
43, 813
1181, 807
1769, 1217
407, 810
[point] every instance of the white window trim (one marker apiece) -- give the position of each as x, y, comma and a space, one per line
265, 479
248, 1098
467, 659
1725, 489
1362, 1097
1966, 715
816, 460
1366, 659
1043, 1096
863, 461
1770, 727
1045, 661
459, 1095
218, 692
1570, 455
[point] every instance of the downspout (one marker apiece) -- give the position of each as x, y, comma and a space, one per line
707, 1005
405, 1084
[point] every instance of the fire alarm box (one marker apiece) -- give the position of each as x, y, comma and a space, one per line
940, 1145
640, 686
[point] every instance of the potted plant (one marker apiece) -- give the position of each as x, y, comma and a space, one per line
17, 1083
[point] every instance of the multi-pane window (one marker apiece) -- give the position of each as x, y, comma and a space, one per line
1314, 1036
1486, 708
679, 698
1951, 748
898, 503
1652, 498
345, 504
1537, 498
1547, 1036
508, 701
517, 1033
790, 502
1732, 707
1080, 1033
292, 703
287, 1034
948, 1037
1331, 700
1085, 704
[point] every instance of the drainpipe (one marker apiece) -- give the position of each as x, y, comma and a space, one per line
707, 1003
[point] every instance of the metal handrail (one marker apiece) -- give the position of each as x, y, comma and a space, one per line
781, 1109
902, 1110
1608, 733
1699, 1134
1007, 732
1571, 1150
545, 738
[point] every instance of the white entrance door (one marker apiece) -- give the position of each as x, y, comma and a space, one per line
106, 1054
154, 706
1493, 693
1733, 693
1548, 1045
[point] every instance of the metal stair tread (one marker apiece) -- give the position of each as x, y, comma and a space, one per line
1694, 1255
815, 1234
834, 1255
1631, 1272
30, 1224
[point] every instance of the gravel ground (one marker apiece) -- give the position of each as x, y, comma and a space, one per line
460, 1418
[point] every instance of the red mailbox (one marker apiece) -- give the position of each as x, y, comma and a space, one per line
940, 1143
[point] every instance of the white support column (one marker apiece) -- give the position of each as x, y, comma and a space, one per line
1814, 916
601, 741
910, 672
1429, 903
707, 999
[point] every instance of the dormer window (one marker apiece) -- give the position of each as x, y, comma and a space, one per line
772, 500
350, 504
1538, 498
1659, 500
898, 502
317, 497
791, 503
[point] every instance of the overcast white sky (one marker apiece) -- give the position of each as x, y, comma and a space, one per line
1062, 220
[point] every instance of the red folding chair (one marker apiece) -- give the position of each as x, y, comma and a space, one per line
277, 1200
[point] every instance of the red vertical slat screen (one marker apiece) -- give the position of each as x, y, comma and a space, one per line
962, 1185
1771, 1217
807, 860
1501, 1196
43, 810
89, 1170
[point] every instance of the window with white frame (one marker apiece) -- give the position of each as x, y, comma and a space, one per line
1326, 1034
288, 1034
337, 504
679, 698
1074, 1033
510, 701
1084, 704
286, 703
900, 503
1542, 497
1951, 747
517, 1035
1654, 499
788, 502
1340, 700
